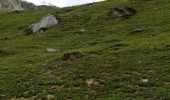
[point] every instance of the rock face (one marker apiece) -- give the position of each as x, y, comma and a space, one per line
28, 5
46, 22
122, 12
10, 5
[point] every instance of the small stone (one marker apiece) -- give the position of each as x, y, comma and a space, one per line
91, 81
82, 30
50, 97
139, 61
145, 80
139, 29
130, 86
2, 95
26, 93
52, 50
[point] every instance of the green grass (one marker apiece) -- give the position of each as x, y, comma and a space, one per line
107, 62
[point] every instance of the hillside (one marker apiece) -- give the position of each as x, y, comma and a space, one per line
97, 57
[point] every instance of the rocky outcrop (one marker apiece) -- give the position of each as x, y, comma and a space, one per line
10, 5
28, 5
44, 23
122, 12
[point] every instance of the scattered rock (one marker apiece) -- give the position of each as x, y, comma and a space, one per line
131, 86
122, 12
167, 83
52, 50
72, 56
139, 30
91, 81
51, 97
26, 93
46, 22
145, 80
82, 30
2, 95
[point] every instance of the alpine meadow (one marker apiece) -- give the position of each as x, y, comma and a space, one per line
110, 50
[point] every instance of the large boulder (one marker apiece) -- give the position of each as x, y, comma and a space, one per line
10, 5
122, 12
46, 22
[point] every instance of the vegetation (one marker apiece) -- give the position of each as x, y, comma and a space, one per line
111, 59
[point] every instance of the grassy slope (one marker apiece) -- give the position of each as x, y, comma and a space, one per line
115, 58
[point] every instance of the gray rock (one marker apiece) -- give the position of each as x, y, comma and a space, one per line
51, 97
46, 22
122, 12
139, 29
145, 80
52, 50
82, 30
